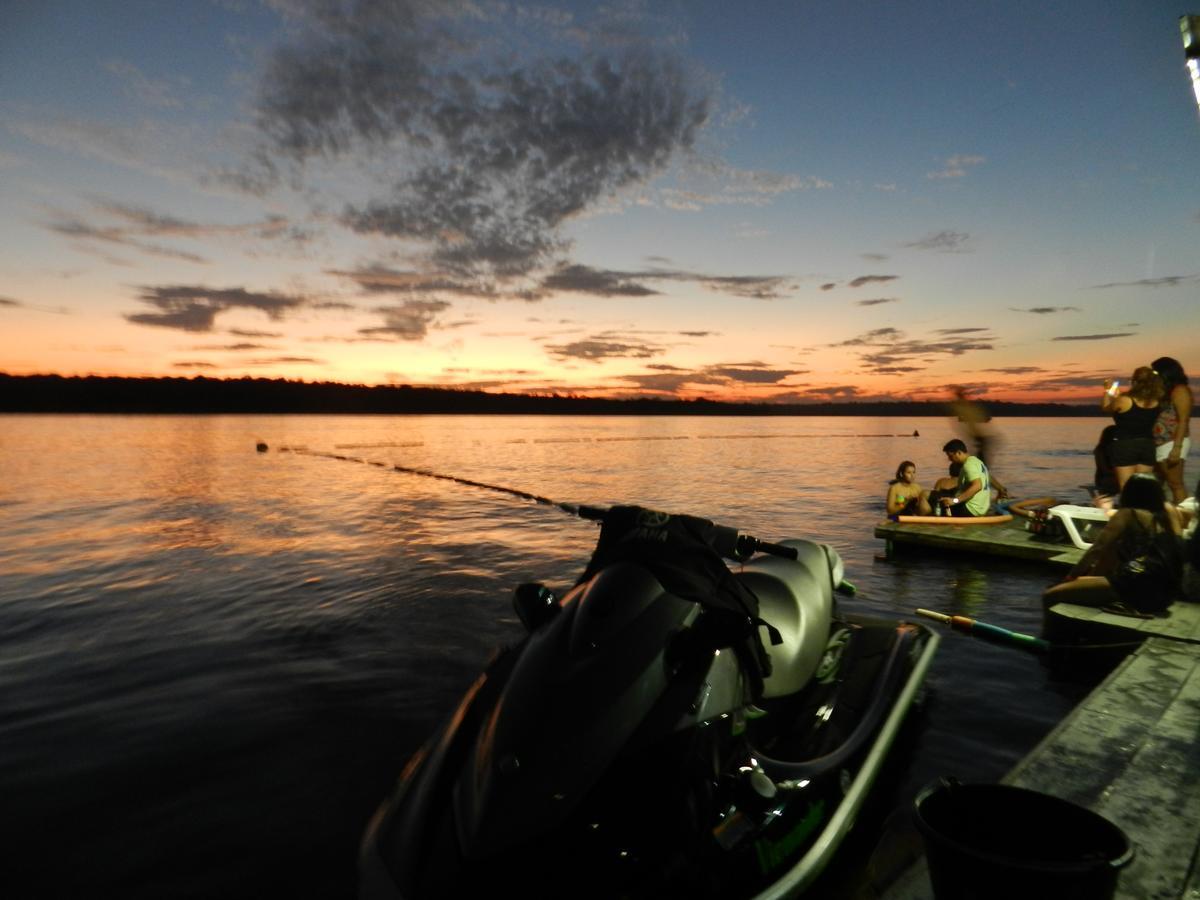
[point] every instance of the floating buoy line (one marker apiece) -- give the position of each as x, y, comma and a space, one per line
581, 510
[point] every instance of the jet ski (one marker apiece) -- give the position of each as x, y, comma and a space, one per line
673, 725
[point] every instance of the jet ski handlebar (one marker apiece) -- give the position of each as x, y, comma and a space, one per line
726, 541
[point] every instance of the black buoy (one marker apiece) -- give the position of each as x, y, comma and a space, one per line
261, 446
916, 433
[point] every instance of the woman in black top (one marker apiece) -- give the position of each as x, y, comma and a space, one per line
1134, 414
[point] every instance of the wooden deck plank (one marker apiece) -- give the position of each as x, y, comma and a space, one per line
1183, 623
1131, 752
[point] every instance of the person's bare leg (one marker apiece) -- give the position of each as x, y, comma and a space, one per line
1086, 590
1123, 473
1174, 478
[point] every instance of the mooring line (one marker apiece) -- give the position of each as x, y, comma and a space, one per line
581, 510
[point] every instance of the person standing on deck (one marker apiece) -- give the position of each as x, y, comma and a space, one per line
1134, 414
974, 493
1172, 440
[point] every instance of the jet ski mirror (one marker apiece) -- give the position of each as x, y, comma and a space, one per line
535, 604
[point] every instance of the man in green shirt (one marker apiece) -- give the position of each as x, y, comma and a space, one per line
974, 494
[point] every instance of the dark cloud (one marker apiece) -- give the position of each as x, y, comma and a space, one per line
1015, 370
1045, 310
752, 375
243, 332
194, 308
877, 301
194, 364
595, 350
409, 321
609, 283
492, 152
9, 301
874, 257
871, 279
283, 360
754, 287
698, 334
890, 350
829, 286
1093, 337
1165, 281
943, 242
586, 280
332, 304
379, 279
242, 345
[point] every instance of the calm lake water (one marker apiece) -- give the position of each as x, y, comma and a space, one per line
214, 661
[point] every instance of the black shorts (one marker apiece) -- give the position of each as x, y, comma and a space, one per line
1132, 452
960, 511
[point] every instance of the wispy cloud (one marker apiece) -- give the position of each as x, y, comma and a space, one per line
1165, 281
944, 242
583, 279
877, 301
890, 350
134, 223
155, 92
605, 346
871, 279
1045, 310
409, 321
956, 166
195, 307
1093, 337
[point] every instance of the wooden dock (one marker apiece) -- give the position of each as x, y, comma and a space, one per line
1008, 539
1086, 624
1130, 752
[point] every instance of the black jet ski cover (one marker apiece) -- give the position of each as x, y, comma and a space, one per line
680, 552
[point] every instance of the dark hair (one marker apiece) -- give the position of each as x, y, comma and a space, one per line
955, 468
954, 446
1146, 385
1170, 371
1144, 491
900, 470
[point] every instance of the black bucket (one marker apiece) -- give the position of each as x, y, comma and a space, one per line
992, 841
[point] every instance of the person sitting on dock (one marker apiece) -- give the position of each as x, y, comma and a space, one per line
973, 495
1135, 562
905, 497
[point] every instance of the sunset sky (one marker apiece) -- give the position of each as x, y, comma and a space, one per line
785, 201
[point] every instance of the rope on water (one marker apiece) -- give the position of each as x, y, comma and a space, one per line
576, 509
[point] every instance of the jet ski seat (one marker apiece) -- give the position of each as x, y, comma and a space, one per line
795, 596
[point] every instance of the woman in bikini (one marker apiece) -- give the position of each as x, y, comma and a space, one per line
905, 497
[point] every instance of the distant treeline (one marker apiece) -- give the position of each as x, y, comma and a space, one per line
95, 394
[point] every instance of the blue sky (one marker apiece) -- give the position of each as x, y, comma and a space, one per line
765, 201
